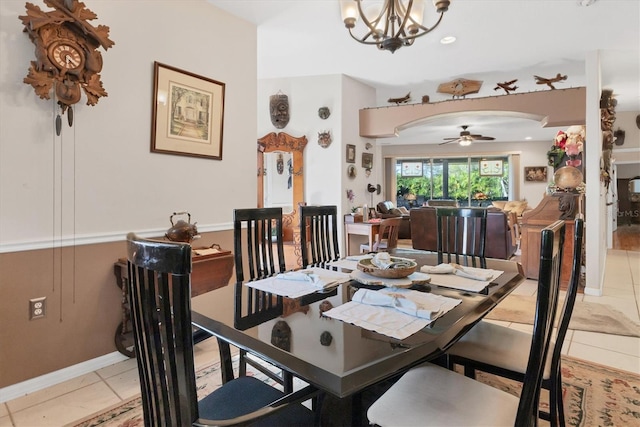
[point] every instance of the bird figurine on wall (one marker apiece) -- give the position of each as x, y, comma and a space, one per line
549, 82
402, 100
507, 86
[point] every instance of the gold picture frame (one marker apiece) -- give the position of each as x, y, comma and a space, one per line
535, 173
367, 160
188, 113
351, 153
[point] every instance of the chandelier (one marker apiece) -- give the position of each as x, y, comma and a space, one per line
389, 24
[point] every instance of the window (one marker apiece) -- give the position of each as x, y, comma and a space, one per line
460, 179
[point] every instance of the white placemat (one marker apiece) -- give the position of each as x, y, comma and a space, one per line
390, 321
294, 285
449, 280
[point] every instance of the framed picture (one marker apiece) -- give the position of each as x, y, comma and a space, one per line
535, 173
188, 112
351, 153
491, 168
411, 169
367, 160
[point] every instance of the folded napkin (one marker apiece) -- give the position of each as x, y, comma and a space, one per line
294, 284
305, 276
383, 261
458, 270
462, 278
429, 307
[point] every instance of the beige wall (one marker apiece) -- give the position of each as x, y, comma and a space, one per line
67, 202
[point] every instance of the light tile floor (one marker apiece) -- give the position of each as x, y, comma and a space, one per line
87, 394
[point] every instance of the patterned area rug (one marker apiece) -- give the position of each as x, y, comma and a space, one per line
594, 395
586, 316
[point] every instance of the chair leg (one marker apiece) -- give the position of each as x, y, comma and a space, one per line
469, 371
226, 366
287, 382
242, 364
559, 405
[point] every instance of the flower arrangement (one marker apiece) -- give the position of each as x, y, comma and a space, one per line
351, 196
570, 143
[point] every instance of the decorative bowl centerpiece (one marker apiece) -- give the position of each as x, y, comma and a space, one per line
390, 268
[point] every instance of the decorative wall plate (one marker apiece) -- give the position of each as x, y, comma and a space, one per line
351, 171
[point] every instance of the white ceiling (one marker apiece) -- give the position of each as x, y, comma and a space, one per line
497, 41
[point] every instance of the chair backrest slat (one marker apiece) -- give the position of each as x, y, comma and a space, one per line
160, 298
261, 256
551, 248
319, 235
461, 235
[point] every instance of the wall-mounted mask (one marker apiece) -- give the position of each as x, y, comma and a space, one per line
279, 109
324, 112
280, 164
324, 139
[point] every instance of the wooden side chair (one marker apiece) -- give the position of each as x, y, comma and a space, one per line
502, 351
160, 295
430, 395
259, 253
387, 236
461, 236
319, 235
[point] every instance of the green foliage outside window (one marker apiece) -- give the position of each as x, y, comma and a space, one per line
464, 182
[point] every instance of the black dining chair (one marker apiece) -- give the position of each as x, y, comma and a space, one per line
160, 296
430, 395
500, 350
319, 235
461, 236
258, 254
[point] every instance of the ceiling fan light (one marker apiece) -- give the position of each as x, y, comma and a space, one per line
465, 142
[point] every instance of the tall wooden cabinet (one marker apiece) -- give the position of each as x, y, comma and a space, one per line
546, 213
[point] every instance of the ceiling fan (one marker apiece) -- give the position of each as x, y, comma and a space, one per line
466, 138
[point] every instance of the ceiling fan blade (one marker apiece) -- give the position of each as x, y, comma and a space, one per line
484, 138
448, 142
451, 139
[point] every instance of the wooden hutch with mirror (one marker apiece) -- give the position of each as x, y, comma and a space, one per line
281, 179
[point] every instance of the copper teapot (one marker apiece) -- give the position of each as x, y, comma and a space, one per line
182, 231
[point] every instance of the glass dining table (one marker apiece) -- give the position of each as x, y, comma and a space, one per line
355, 358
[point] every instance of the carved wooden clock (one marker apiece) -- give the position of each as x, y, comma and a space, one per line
67, 58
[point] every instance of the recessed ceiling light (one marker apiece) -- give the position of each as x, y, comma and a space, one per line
448, 40
527, 138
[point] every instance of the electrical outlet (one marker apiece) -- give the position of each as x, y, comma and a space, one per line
37, 308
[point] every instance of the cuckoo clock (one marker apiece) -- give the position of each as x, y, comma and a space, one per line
66, 55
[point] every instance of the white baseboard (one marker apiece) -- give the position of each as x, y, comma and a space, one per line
29, 386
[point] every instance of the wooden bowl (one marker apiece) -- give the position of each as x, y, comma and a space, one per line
366, 266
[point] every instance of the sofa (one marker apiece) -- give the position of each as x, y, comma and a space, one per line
499, 243
387, 209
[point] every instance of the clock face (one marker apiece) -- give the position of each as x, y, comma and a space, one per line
66, 55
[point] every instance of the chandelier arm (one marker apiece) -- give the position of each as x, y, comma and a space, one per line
363, 40
371, 25
425, 29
